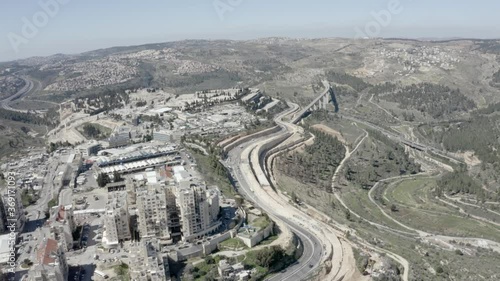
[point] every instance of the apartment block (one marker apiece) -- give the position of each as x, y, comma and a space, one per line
147, 263
152, 212
116, 220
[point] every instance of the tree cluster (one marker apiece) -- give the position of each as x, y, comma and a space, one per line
433, 99
384, 158
459, 182
268, 257
383, 88
317, 163
343, 78
92, 131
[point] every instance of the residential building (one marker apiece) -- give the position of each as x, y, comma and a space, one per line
213, 204
61, 225
116, 220
152, 212
194, 210
50, 262
147, 263
120, 137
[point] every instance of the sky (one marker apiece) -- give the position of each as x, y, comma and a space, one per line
46, 27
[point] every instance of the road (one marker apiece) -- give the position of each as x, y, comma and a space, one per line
320, 241
312, 249
297, 118
400, 138
29, 87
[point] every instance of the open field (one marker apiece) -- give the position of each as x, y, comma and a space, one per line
104, 131
27, 104
418, 208
358, 201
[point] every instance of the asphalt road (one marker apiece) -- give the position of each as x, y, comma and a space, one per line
30, 85
312, 246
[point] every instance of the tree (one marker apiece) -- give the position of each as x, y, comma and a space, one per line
117, 177
209, 260
268, 256
27, 262
122, 270
102, 179
348, 214
394, 208
52, 203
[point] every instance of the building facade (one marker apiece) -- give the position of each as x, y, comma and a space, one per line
116, 220
152, 213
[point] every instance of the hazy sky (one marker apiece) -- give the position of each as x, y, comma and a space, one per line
81, 25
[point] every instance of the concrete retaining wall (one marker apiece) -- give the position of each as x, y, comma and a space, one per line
258, 155
244, 139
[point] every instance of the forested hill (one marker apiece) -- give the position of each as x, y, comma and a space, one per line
436, 100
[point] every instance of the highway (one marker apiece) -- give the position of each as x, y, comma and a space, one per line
312, 249
29, 87
251, 190
297, 118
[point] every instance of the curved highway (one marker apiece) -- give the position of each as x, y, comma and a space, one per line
28, 87
319, 241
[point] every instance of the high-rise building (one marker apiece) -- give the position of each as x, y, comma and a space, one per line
176, 208
193, 209
116, 220
147, 263
213, 203
152, 212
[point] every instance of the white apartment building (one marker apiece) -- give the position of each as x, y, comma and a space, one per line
116, 220
193, 210
88, 149
213, 204
152, 212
